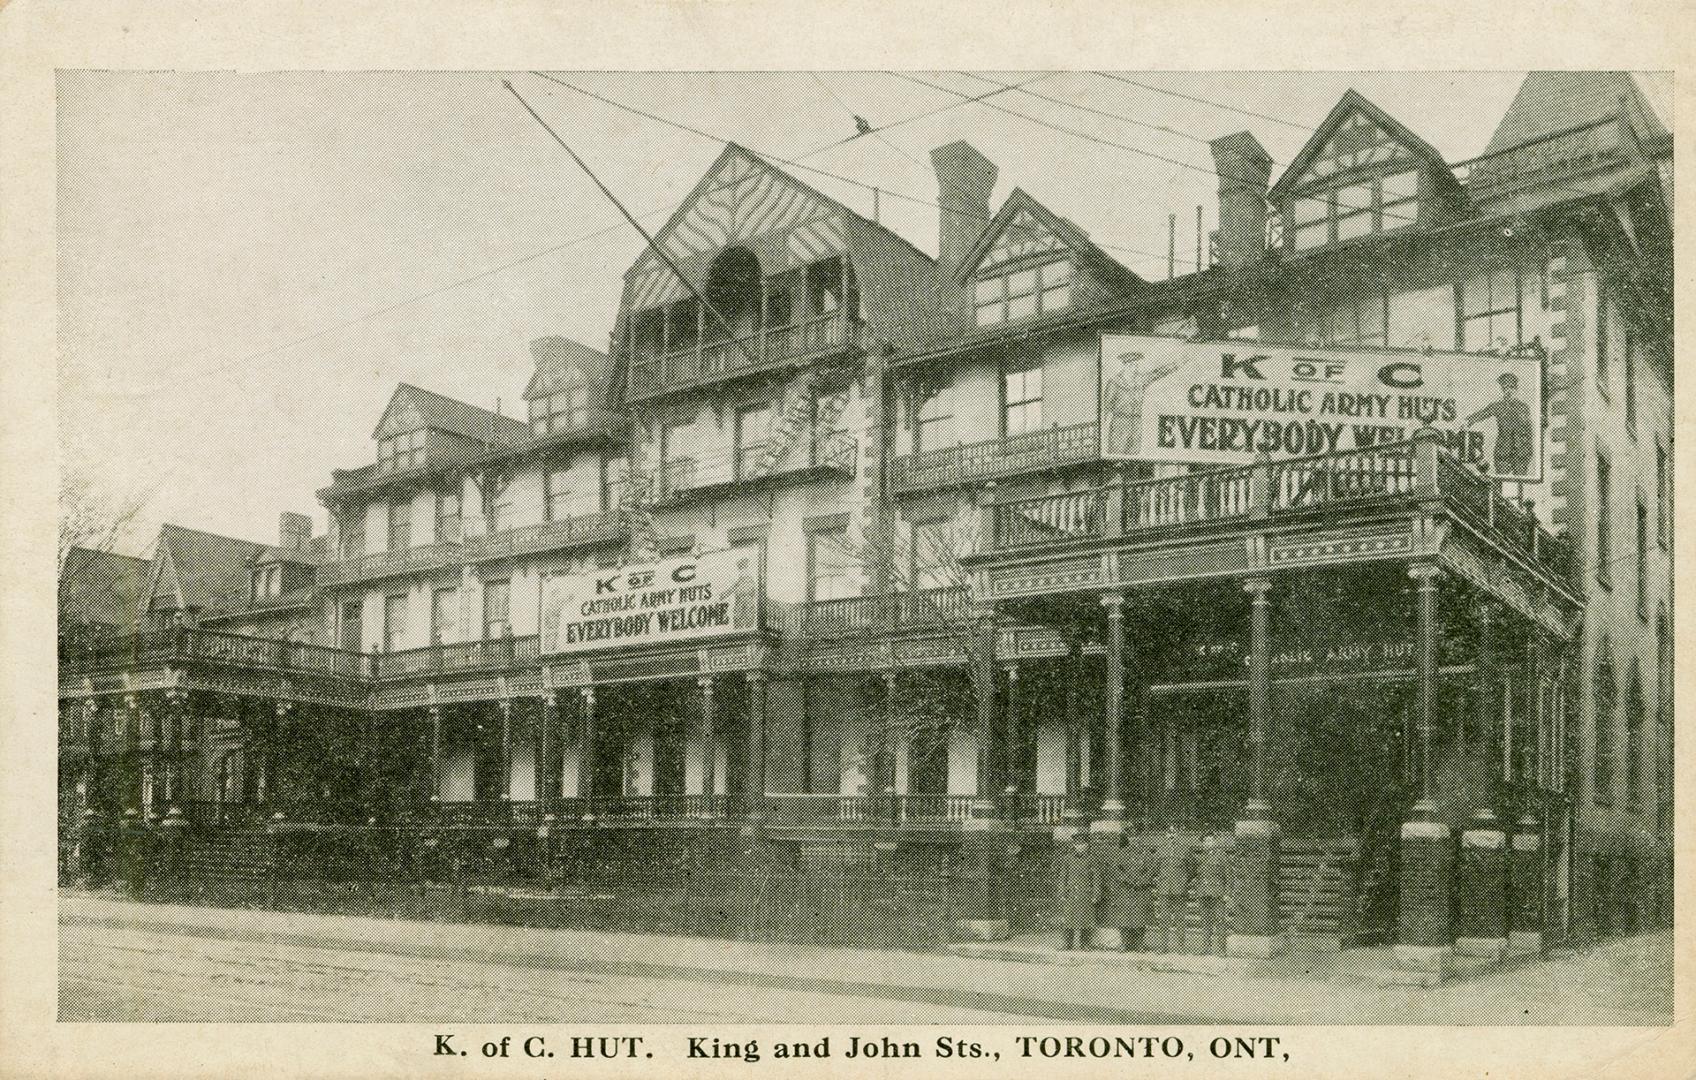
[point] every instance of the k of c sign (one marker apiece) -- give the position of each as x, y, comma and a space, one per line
1225, 402
674, 600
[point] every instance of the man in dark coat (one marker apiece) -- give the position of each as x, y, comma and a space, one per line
1077, 888
1515, 436
1127, 890
1212, 886
1172, 863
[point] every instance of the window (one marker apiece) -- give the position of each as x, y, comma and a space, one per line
394, 623
933, 420
933, 556
753, 435
449, 529
1663, 494
562, 410
1603, 345
1629, 360
353, 625
1489, 310
353, 533
1604, 521
400, 526
1606, 694
683, 325
1038, 290
1361, 320
1636, 708
1642, 559
615, 481
556, 484
831, 570
400, 451
497, 503
1424, 317
444, 614
497, 609
267, 582
1370, 205
1021, 396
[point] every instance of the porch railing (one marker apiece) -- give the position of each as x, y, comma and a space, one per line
847, 615
706, 360
1562, 153
578, 530
490, 653
188, 643
381, 564
1390, 474
680, 476
1032, 451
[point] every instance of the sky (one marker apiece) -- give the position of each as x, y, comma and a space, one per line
249, 263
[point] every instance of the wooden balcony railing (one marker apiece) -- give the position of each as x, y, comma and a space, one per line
1563, 153
835, 452
709, 360
1398, 473
180, 644
578, 530
384, 564
967, 463
855, 614
487, 654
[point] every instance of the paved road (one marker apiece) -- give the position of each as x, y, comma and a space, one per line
126, 961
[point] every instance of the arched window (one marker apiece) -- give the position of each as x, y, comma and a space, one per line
733, 290
1605, 692
1636, 708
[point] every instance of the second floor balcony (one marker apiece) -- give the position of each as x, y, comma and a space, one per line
563, 534
969, 463
397, 562
683, 477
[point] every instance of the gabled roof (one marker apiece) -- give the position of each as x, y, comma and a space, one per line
202, 570
560, 361
413, 407
1350, 104
101, 587
1549, 102
1021, 213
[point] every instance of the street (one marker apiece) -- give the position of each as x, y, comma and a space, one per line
122, 961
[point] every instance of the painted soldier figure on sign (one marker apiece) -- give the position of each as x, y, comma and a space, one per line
1127, 889
1121, 401
1077, 889
1514, 432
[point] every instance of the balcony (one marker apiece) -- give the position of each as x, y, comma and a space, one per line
653, 374
969, 463
192, 644
833, 454
847, 616
576, 531
376, 565
1563, 155
1355, 484
491, 654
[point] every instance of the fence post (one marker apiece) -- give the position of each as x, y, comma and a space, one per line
1425, 442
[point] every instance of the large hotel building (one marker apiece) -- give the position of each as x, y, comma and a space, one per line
861, 556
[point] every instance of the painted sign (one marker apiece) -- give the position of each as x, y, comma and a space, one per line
1224, 402
681, 599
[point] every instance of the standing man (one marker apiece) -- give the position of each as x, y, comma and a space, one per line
1514, 433
1212, 885
1077, 888
1172, 859
1127, 891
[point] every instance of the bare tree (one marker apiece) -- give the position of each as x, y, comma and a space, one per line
91, 526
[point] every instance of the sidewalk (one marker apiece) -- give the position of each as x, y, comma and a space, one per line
1621, 982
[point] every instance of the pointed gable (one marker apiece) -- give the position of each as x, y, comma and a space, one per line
413, 409
1356, 135
1551, 102
201, 571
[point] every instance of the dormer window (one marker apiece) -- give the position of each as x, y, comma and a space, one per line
267, 582
1369, 205
561, 410
397, 452
1023, 293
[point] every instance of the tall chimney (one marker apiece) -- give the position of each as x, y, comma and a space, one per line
294, 531
964, 180
1244, 167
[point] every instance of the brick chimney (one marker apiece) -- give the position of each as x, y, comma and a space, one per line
1244, 167
964, 180
294, 531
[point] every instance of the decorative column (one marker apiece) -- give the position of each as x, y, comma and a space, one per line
546, 788
1424, 941
1012, 753
1526, 887
983, 688
756, 750
586, 754
176, 705
506, 749
1481, 889
131, 769
709, 747
890, 741
435, 753
1256, 930
1487, 724
1073, 817
1112, 819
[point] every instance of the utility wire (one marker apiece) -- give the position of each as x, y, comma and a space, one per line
1201, 100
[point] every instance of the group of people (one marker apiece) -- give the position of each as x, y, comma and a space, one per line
1142, 883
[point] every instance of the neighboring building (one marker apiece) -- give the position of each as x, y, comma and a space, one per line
100, 589
961, 616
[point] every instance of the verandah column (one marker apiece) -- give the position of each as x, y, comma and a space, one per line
1074, 813
982, 845
1112, 819
709, 747
586, 752
506, 749
983, 687
547, 786
435, 753
1481, 876
756, 749
1256, 930
1423, 930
